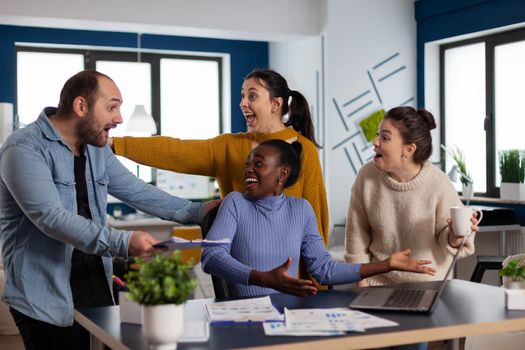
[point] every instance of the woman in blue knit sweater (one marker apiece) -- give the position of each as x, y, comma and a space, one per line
270, 232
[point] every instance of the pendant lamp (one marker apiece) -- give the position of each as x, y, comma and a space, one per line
141, 121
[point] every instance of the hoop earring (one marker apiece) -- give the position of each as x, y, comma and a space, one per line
404, 157
286, 118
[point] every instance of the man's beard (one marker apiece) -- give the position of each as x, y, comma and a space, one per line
90, 132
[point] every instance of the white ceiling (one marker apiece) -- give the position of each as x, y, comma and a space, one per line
268, 20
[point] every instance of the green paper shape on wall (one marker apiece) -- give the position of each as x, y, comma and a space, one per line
370, 124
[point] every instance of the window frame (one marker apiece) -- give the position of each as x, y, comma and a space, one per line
490, 41
92, 55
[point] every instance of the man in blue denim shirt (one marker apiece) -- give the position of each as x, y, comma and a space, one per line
55, 175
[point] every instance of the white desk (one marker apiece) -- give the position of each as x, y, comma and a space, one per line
502, 229
160, 229
464, 309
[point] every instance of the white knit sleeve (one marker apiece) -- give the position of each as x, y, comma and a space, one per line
357, 227
449, 198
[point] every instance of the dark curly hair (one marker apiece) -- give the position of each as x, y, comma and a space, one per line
289, 156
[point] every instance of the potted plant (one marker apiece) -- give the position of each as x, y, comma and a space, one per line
512, 171
161, 285
513, 273
465, 178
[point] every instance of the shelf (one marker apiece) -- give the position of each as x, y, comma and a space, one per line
493, 200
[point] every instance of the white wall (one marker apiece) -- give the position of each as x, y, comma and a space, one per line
299, 61
359, 35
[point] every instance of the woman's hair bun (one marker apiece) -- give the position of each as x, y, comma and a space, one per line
427, 117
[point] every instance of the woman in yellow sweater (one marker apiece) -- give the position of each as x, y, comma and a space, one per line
272, 111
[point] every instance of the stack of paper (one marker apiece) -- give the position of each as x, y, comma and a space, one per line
174, 243
324, 322
244, 310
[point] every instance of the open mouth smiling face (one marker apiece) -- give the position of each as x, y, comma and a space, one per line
250, 119
261, 173
255, 105
251, 183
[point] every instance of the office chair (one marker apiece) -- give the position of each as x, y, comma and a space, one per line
220, 286
486, 262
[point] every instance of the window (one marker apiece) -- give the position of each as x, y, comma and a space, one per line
481, 94
464, 93
40, 78
190, 96
176, 89
134, 87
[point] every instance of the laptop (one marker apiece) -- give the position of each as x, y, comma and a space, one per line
403, 299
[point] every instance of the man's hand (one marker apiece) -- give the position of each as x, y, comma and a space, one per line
402, 261
209, 205
280, 280
141, 244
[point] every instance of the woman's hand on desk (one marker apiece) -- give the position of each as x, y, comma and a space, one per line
280, 280
400, 261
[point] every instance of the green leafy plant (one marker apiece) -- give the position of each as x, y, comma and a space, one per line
370, 124
512, 165
164, 279
459, 158
514, 270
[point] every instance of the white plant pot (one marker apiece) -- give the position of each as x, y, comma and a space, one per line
512, 191
468, 191
508, 283
162, 325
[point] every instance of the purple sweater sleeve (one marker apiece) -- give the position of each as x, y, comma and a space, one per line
318, 260
218, 261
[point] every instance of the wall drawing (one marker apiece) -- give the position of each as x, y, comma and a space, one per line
361, 111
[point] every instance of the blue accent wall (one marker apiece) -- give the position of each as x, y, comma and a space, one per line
244, 55
440, 19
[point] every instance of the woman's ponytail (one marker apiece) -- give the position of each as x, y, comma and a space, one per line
300, 117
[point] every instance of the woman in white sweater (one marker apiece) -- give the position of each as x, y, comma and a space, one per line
400, 199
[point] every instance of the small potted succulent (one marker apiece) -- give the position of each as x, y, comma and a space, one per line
161, 285
513, 273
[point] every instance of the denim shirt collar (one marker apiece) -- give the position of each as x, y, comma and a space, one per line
45, 125
48, 129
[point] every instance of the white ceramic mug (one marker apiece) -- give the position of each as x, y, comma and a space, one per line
461, 219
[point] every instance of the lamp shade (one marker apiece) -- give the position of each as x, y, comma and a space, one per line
453, 174
141, 121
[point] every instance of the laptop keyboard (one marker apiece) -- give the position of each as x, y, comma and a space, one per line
405, 298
